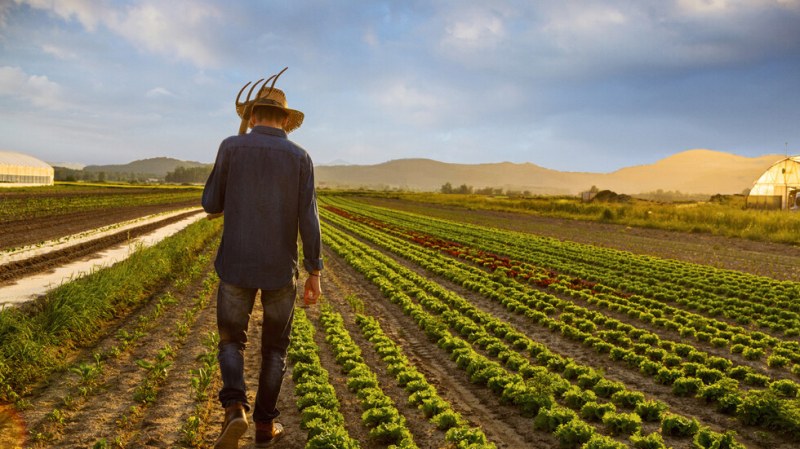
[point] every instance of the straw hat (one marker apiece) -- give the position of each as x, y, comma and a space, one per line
274, 98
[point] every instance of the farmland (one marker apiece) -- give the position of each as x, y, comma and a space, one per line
433, 332
31, 215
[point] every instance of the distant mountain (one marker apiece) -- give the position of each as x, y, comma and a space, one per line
157, 167
335, 162
69, 165
693, 171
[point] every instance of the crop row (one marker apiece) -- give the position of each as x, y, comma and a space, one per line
708, 383
316, 397
422, 393
14, 209
386, 424
528, 383
752, 345
90, 375
737, 296
37, 339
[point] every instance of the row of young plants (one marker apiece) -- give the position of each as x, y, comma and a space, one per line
740, 297
422, 394
201, 380
69, 201
386, 424
527, 379
88, 375
752, 345
710, 384
316, 397
158, 368
38, 338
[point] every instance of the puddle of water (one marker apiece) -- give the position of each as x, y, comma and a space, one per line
29, 288
25, 252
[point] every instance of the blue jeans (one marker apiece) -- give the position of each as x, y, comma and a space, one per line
234, 306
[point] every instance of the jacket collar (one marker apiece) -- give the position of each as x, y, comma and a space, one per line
268, 130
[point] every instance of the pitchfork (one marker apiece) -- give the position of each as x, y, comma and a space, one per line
248, 105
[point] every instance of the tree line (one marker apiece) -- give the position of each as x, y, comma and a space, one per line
465, 189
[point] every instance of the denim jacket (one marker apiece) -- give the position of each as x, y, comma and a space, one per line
264, 185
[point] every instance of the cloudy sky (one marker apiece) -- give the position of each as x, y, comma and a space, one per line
570, 85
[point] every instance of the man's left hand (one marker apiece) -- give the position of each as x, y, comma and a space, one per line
312, 290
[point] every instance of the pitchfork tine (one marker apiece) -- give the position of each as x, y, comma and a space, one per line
263, 86
240, 93
273, 81
251, 90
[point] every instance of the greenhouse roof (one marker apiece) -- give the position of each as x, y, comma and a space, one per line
18, 159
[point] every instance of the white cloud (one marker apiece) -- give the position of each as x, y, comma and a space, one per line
58, 52
409, 103
178, 28
157, 92
37, 89
473, 29
88, 12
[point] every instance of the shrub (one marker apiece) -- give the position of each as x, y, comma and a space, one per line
706, 438
678, 426
751, 353
718, 389
785, 388
709, 375
650, 441
575, 398
589, 380
622, 423
627, 399
530, 398
574, 433
765, 408
593, 411
756, 380
445, 420
549, 419
686, 386
599, 441
332, 438
667, 376
605, 388
651, 410
777, 361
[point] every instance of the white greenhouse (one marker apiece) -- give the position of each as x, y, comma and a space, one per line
778, 187
18, 168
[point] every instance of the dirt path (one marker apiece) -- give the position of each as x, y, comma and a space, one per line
762, 258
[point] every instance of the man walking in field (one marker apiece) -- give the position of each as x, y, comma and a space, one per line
263, 183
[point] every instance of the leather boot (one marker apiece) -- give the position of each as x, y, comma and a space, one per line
234, 426
267, 433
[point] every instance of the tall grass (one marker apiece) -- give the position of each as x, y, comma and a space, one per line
729, 219
35, 340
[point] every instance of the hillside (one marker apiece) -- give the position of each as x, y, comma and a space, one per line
693, 171
156, 167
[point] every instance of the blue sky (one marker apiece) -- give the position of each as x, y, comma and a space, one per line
569, 85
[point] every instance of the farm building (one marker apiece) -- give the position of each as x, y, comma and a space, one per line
778, 187
18, 168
